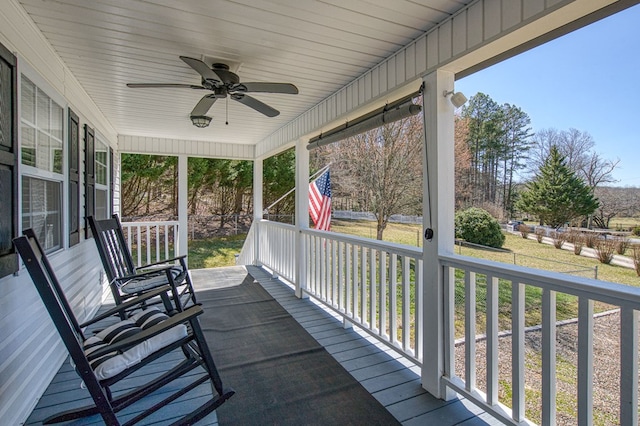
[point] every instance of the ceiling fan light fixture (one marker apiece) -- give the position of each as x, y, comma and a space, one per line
200, 121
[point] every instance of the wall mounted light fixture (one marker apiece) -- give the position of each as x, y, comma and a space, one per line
457, 98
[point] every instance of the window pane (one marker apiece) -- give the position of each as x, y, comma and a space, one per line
41, 202
101, 164
28, 100
101, 204
28, 145
43, 151
57, 120
43, 112
56, 155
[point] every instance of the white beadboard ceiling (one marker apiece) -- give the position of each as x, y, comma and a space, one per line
320, 46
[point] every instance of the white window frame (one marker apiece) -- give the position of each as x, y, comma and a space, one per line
104, 187
25, 70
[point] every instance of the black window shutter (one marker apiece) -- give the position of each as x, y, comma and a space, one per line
89, 177
8, 162
74, 179
111, 181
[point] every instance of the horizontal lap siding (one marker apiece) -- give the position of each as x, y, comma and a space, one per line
480, 23
160, 146
30, 349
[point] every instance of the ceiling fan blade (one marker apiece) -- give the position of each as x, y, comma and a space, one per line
203, 106
201, 68
255, 104
176, 85
267, 87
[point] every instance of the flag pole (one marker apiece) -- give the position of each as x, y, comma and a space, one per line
313, 177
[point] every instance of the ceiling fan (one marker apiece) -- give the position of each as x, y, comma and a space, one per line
223, 82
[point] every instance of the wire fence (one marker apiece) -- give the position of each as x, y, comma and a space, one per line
515, 258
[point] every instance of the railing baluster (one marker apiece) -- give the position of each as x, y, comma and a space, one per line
449, 276
147, 240
628, 366
517, 351
406, 310
419, 317
585, 361
157, 233
348, 280
139, 245
167, 253
334, 274
341, 269
393, 298
470, 329
363, 285
492, 340
356, 281
373, 286
384, 312
548, 356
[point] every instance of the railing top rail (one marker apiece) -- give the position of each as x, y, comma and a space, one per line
401, 249
278, 224
154, 223
614, 293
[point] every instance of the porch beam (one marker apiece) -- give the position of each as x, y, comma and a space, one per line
437, 212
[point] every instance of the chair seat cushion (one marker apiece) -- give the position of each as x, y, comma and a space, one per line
115, 362
150, 281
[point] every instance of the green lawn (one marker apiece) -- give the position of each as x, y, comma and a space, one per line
215, 252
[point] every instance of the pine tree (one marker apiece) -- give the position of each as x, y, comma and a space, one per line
556, 195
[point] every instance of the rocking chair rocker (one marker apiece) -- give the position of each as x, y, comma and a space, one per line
107, 357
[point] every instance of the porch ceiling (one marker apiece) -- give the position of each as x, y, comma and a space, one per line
319, 46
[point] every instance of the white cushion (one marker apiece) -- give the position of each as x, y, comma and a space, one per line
115, 362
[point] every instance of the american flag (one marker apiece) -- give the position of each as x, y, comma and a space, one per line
320, 202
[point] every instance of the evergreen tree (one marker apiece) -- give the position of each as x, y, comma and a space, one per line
556, 195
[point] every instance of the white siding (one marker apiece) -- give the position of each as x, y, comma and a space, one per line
159, 146
30, 349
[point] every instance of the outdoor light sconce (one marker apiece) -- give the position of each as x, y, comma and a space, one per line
457, 98
200, 121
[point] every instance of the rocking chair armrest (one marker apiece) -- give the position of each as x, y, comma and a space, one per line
160, 262
138, 338
142, 274
128, 304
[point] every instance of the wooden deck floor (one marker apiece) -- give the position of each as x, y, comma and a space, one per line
391, 379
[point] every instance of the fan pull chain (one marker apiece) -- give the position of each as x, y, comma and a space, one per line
227, 108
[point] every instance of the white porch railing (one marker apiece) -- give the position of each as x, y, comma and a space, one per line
151, 242
378, 286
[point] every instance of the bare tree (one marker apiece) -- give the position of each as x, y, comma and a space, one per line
615, 202
381, 169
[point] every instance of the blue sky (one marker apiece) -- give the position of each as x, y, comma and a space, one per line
588, 80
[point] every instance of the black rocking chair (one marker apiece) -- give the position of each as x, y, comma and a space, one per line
101, 360
125, 279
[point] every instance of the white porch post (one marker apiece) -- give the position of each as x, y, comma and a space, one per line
302, 213
438, 211
257, 206
183, 189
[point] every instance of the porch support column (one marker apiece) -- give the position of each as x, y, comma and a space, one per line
183, 213
257, 207
302, 214
438, 211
